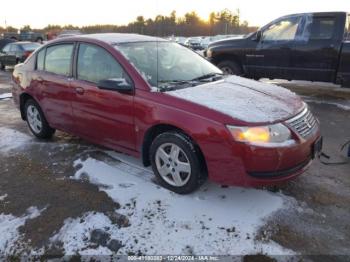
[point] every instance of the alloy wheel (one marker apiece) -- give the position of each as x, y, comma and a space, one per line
173, 164
34, 119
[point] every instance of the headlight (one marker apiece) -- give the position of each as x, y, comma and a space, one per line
277, 133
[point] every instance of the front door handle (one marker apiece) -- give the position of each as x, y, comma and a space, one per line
79, 90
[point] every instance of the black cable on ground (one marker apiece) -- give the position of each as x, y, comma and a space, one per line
324, 155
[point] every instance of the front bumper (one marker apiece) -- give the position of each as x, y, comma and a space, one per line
242, 164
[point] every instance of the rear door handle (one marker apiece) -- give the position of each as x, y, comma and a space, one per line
79, 90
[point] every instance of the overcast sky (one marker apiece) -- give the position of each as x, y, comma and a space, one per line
39, 13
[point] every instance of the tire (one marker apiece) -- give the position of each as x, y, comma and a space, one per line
2, 66
230, 68
36, 120
181, 172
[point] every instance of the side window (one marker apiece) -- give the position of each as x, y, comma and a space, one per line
321, 28
58, 59
347, 29
15, 48
283, 30
95, 64
40, 58
6, 49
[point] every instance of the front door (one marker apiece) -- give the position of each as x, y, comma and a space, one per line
103, 116
273, 51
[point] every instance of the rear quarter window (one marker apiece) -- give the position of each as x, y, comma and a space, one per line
40, 59
58, 59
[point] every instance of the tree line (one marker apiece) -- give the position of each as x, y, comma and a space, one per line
191, 24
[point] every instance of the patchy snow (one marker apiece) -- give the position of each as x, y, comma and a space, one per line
75, 232
2, 198
213, 220
12, 139
300, 83
5, 96
342, 104
9, 225
244, 99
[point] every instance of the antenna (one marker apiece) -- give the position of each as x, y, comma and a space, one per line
157, 46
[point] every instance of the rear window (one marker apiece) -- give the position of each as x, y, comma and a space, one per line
30, 46
322, 28
58, 59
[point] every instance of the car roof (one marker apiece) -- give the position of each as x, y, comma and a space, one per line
22, 42
319, 13
114, 38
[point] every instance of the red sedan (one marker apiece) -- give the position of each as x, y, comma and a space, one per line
157, 100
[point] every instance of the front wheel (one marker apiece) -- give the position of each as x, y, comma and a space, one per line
36, 120
230, 68
176, 163
2, 66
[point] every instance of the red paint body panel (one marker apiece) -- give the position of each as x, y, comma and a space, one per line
120, 121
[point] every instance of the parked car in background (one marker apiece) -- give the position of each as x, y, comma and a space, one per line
67, 33
205, 41
180, 40
157, 100
194, 43
310, 46
16, 52
25, 36
5, 41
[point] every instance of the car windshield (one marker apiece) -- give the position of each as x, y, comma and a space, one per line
30, 46
162, 63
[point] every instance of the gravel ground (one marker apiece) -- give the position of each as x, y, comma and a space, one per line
315, 222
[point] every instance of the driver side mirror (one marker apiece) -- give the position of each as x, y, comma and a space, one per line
120, 85
257, 37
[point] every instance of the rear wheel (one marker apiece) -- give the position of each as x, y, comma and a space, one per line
230, 68
176, 163
36, 120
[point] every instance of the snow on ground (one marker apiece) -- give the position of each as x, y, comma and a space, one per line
5, 96
300, 83
12, 139
342, 104
9, 225
213, 220
2, 198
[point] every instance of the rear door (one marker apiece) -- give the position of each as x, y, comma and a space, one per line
103, 116
315, 55
53, 77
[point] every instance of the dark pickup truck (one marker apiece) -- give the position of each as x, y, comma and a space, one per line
310, 46
25, 36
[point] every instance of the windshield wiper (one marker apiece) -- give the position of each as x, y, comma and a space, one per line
206, 76
169, 85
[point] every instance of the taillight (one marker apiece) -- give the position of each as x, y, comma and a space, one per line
27, 53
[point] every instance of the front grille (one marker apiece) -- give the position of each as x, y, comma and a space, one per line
303, 124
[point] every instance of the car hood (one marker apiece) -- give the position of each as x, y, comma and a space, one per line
244, 99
